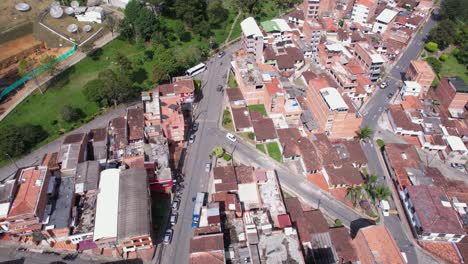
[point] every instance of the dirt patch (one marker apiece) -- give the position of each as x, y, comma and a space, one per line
13, 48
11, 17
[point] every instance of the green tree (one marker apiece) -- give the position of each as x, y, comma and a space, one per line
364, 133
159, 73
462, 54
354, 194
17, 140
146, 24
444, 57
454, 9
249, 6
125, 65
431, 46
218, 152
87, 47
117, 88
111, 24
381, 192
435, 64
338, 223
216, 12
443, 34
192, 12
380, 143
71, 114
92, 90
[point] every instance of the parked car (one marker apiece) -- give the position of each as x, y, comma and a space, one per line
173, 219
219, 88
191, 139
195, 126
208, 167
168, 236
175, 205
70, 256
390, 95
383, 85
231, 137
221, 54
385, 206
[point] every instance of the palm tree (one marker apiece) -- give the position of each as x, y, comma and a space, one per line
381, 192
354, 194
364, 133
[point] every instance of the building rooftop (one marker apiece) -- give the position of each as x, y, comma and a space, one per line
333, 99
136, 123
249, 195
62, 206
270, 193
30, 182
207, 243
86, 214
343, 245
178, 87
376, 245
434, 210
250, 28
386, 16
7, 191
264, 129
402, 156
133, 204
234, 95
241, 117
74, 138
87, 176
107, 205
224, 178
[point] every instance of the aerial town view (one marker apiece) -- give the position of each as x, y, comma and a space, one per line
234, 131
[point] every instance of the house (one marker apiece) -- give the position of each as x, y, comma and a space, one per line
318, 8
363, 10
252, 38
452, 93
277, 32
172, 119
28, 207
375, 244
421, 72
296, 17
410, 88
72, 151
241, 119
82, 233
401, 123
289, 59
264, 130
383, 20
183, 88
134, 214
313, 32
343, 245
431, 214
117, 131
136, 124
235, 98
224, 179
249, 78
207, 249
152, 109
400, 160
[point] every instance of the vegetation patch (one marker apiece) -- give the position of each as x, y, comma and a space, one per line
259, 108
274, 151
260, 147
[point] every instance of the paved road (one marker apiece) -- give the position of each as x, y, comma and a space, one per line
372, 112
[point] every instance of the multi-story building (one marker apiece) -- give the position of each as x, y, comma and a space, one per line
363, 10
318, 8
72, 151
431, 215
383, 20
252, 38
369, 59
28, 207
332, 114
313, 32
183, 88
421, 72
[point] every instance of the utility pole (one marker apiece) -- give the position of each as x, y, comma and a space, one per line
11, 159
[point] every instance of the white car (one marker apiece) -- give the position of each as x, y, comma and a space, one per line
191, 139
168, 236
208, 167
383, 85
173, 219
231, 137
385, 206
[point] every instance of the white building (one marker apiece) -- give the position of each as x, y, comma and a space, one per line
362, 11
252, 38
105, 227
410, 88
383, 19
94, 14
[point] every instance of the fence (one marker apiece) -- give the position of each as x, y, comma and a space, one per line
35, 72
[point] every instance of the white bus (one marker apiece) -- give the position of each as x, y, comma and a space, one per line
196, 69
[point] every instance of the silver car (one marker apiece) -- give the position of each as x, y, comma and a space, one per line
168, 236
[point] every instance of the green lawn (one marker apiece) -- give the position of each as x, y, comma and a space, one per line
274, 151
232, 83
228, 125
44, 109
261, 147
259, 108
452, 67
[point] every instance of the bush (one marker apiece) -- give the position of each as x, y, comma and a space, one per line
435, 64
338, 223
227, 157
444, 57
251, 135
380, 143
218, 152
431, 46
71, 114
226, 120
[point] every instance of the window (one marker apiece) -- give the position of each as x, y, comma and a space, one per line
441, 235
457, 236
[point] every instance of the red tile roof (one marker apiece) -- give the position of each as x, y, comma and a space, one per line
284, 221
207, 243
241, 118
182, 86
445, 251
341, 240
207, 257
264, 129
273, 86
29, 192
402, 156
136, 123
375, 244
433, 216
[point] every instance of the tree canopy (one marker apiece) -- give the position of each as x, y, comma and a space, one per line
19, 139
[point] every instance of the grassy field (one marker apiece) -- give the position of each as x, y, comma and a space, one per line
232, 83
274, 151
259, 108
44, 109
452, 67
260, 147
